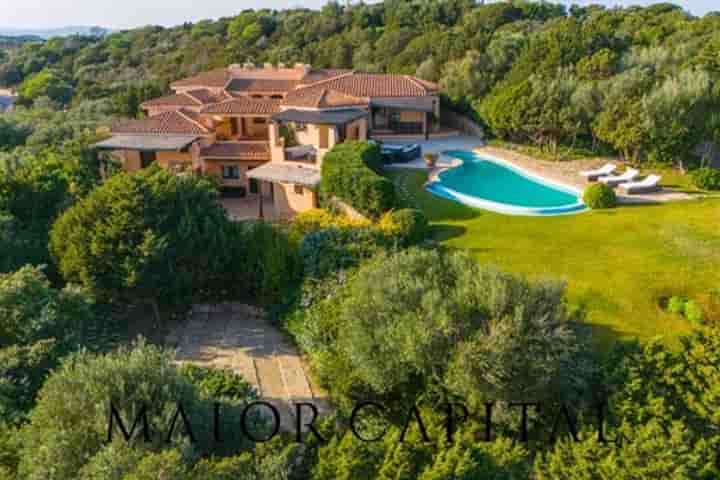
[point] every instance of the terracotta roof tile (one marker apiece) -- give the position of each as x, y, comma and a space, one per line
261, 85
205, 96
173, 122
214, 78
247, 150
375, 85
323, 98
244, 106
322, 74
179, 100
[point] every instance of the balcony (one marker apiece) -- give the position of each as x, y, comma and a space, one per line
306, 154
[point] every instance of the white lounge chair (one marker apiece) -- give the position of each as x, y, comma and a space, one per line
614, 180
593, 175
651, 183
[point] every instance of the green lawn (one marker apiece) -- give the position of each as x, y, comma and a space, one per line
618, 264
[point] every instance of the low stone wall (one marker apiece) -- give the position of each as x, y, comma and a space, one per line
461, 123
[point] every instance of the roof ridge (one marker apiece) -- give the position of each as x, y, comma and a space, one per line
417, 82
184, 115
192, 97
325, 80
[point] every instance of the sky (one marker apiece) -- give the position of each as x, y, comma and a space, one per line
134, 13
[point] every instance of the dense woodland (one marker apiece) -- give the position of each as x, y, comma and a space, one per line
380, 312
641, 82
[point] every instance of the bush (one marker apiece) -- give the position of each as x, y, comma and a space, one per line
676, 305
214, 383
156, 237
693, 312
68, 427
316, 219
409, 225
409, 319
349, 173
332, 249
707, 178
599, 195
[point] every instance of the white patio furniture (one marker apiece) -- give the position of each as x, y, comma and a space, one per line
593, 175
651, 183
615, 180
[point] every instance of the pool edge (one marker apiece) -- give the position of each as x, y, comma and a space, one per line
435, 187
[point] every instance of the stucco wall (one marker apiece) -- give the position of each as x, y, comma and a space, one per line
130, 160
166, 159
288, 203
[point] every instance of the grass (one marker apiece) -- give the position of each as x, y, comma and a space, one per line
619, 264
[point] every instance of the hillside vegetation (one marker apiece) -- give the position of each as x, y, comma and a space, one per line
641, 82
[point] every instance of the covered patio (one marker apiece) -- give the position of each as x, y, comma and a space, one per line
400, 117
293, 188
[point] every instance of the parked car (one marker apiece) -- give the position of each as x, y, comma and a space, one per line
400, 153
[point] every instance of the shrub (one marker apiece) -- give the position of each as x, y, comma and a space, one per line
599, 195
676, 305
409, 319
69, 425
332, 249
409, 225
156, 237
317, 219
215, 383
707, 178
693, 312
349, 173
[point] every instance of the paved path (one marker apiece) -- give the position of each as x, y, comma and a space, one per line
237, 337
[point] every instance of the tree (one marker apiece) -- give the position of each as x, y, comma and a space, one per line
33, 193
153, 236
38, 326
418, 321
661, 412
68, 428
46, 83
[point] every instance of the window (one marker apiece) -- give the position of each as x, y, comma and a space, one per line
299, 190
146, 158
254, 186
230, 172
259, 121
256, 96
276, 97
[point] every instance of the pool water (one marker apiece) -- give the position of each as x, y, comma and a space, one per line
495, 185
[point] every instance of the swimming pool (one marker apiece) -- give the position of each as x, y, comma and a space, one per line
496, 185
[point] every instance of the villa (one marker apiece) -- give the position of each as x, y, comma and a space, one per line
263, 130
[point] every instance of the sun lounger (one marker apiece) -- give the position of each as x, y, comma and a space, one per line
593, 175
615, 180
651, 183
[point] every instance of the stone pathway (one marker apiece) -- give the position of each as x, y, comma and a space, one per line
237, 337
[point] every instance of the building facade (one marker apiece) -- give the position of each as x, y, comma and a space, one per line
264, 130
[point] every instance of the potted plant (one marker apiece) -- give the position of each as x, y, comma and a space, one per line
431, 159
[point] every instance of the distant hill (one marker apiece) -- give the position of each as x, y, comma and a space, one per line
93, 31
16, 41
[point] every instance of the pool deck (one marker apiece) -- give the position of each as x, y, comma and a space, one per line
566, 172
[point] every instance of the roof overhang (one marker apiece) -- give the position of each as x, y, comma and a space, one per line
320, 117
402, 105
146, 142
283, 173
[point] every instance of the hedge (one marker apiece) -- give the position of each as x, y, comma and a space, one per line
599, 195
349, 174
707, 178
